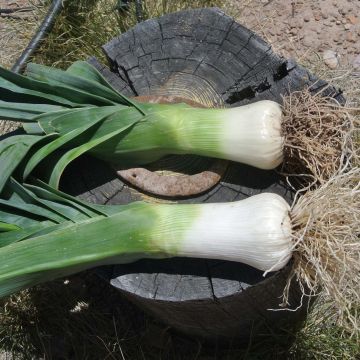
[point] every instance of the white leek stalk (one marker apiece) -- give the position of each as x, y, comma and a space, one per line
255, 231
249, 134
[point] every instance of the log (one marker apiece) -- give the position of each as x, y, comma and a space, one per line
205, 56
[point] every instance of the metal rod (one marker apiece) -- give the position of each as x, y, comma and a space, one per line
41, 33
139, 10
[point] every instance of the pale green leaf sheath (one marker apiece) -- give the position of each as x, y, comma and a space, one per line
59, 235
249, 134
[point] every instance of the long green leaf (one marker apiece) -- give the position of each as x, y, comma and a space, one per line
20, 85
7, 227
12, 151
76, 118
85, 119
88, 90
74, 248
25, 112
24, 233
76, 152
20, 223
32, 209
87, 71
48, 192
63, 211
20, 218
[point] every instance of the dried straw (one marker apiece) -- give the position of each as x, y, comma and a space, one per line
326, 233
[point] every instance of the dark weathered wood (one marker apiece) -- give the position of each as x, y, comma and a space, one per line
207, 57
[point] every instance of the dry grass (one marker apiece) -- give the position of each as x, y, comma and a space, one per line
16, 31
79, 31
85, 25
76, 318
83, 318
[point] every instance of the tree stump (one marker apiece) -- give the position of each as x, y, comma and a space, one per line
204, 56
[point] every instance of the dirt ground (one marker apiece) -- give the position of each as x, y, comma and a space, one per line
18, 22
299, 29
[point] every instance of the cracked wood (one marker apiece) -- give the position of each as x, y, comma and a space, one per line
212, 52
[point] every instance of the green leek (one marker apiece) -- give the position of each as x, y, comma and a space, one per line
78, 111
46, 234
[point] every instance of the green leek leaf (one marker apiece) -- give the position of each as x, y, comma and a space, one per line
89, 90
86, 119
19, 85
76, 152
12, 151
25, 112
7, 227
86, 71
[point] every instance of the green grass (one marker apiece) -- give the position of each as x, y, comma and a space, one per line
84, 318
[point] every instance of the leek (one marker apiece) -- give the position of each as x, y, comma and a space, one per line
78, 111
46, 234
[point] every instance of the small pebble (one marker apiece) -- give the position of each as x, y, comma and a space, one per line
347, 27
331, 59
308, 41
350, 37
352, 19
356, 62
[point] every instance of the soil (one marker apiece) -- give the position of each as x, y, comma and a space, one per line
17, 27
298, 29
